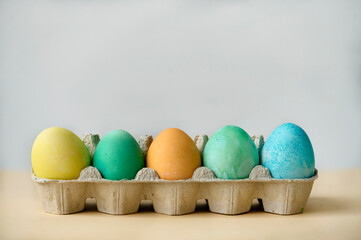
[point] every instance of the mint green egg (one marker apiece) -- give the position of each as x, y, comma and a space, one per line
118, 156
230, 153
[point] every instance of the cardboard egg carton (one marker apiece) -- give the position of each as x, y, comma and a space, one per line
280, 196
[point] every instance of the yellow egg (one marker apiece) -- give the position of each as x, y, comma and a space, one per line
173, 155
59, 154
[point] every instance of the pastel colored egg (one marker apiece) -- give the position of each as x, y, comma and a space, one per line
230, 153
118, 156
58, 153
173, 155
288, 153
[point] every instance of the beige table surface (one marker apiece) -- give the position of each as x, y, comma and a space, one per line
333, 212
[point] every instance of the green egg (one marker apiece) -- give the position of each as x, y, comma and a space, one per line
230, 153
118, 156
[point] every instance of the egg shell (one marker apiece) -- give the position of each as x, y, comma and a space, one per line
288, 153
230, 153
58, 153
173, 155
118, 156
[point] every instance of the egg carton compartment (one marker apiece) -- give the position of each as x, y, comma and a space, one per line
177, 197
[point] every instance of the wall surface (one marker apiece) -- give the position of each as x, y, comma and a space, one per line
143, 66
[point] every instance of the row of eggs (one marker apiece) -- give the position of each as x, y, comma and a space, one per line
230, 153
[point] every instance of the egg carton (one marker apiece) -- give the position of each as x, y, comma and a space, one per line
177, 197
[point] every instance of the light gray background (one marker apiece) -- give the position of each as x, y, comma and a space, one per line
144, 66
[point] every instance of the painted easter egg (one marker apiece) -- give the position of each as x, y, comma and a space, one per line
118, 156
58, 153
173, 155
230, 153
288, 153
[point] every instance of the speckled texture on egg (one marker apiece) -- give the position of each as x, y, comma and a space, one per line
288, 153
230, 153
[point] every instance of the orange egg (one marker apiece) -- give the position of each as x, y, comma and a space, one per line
173, 155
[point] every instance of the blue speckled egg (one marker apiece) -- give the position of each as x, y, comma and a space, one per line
288, 153
230, 153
